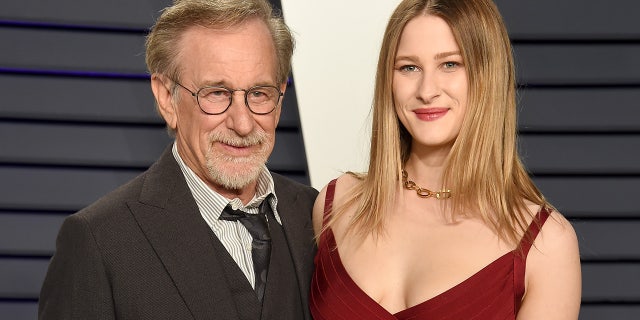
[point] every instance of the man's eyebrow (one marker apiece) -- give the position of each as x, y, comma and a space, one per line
214, 84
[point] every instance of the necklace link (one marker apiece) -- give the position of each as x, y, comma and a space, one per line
424, 192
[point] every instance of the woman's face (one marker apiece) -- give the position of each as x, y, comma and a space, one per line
430, 83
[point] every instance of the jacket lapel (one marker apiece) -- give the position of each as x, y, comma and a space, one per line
171, 221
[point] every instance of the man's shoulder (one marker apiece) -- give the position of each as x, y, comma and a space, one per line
154, 183
281, 182
114, 201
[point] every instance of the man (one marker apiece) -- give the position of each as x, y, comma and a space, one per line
207, 232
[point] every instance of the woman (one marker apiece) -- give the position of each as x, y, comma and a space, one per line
441, 225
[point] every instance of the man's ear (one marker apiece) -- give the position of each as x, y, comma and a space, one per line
278, 111
161, 88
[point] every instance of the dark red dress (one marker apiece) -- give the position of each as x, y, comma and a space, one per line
495, 292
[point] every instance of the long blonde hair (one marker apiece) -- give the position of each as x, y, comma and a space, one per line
483, 168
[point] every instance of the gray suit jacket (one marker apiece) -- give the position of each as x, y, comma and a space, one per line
144, 252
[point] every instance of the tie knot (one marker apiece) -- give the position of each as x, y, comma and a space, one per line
231, 214
256, 224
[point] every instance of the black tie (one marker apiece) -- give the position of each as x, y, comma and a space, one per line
257, 226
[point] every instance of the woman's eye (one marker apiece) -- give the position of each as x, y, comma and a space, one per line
451, 64
408, 68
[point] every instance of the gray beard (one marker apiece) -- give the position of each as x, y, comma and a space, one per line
236, 173
234, 179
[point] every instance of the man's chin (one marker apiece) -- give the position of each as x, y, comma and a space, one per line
235, 176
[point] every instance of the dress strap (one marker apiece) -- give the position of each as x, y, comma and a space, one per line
328, 200
532, 231
520, 259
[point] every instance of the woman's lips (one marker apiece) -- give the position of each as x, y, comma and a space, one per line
430, 114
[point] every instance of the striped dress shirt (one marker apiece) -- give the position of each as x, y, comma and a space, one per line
233, 235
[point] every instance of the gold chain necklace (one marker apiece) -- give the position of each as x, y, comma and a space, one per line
423, 192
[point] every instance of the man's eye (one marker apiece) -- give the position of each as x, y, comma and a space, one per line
218, 93
215, 94
258, 94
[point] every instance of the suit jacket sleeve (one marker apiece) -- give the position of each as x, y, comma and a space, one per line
76, 285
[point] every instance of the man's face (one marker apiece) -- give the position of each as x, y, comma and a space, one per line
226, 150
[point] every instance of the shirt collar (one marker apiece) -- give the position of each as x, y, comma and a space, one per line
213, 203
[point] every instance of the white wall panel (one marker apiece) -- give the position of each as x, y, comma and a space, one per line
334, 69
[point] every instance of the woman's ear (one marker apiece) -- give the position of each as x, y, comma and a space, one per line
161, 88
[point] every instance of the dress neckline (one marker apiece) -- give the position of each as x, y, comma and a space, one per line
469, 281
511, 266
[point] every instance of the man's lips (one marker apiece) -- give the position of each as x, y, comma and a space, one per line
430, 114
233, 145
236, 150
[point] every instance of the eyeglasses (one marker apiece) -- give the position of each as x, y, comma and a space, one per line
217, 99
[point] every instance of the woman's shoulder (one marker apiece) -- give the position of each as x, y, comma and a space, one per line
557, 234
555, 226
346, 182
343, 184
553, 275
